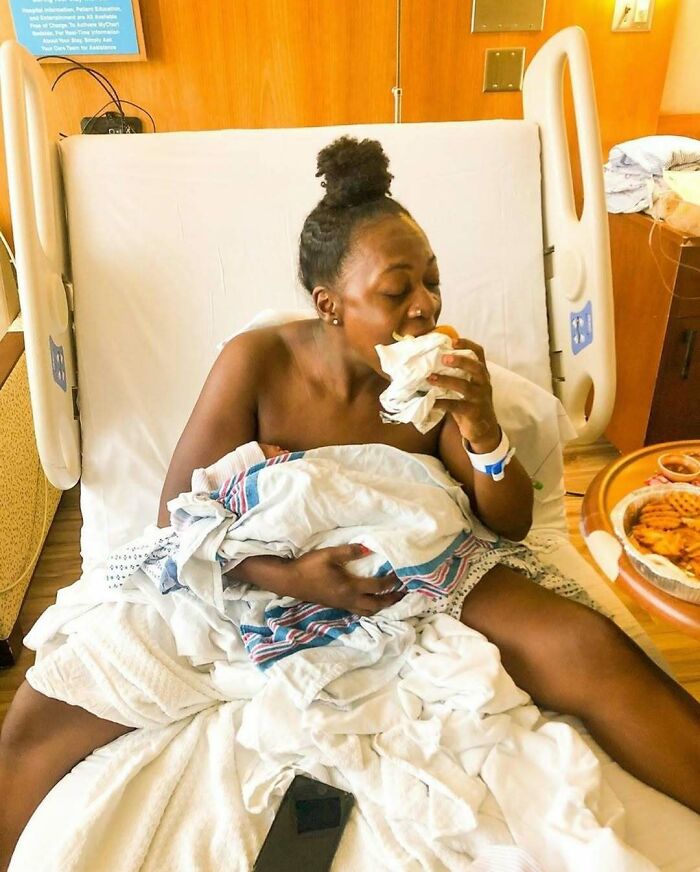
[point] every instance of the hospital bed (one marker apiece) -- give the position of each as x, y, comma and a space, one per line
137, 255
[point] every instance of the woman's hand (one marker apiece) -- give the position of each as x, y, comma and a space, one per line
505, 506
321, 577
474, 413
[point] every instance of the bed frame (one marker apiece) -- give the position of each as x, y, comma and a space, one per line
576, 251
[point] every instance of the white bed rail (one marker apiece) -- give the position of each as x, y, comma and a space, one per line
579, 282
42, 264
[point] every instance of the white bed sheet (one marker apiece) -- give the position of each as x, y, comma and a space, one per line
664, 831
194, 233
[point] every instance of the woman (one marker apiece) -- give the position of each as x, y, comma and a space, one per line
372, 273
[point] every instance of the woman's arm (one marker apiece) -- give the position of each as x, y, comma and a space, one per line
224, 417
504, 506
321, 577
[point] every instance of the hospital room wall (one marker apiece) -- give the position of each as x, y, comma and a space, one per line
442, 64
680, 103
243, 63
277, 63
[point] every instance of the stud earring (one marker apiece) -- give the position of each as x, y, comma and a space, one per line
335, 322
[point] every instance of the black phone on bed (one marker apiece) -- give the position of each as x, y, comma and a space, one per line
307, 828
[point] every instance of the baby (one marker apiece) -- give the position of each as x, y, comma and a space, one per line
233, 463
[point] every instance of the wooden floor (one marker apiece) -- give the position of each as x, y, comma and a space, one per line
60, 565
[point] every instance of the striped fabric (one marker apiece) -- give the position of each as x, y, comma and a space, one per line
300, 626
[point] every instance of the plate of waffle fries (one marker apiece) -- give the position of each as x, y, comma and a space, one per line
659, 528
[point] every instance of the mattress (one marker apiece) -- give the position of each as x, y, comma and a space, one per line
177, 240
664, 831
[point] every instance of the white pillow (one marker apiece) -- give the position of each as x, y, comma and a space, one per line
533, 418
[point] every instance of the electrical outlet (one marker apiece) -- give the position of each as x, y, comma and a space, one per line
111, 122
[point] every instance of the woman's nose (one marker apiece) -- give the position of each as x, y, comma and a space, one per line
424, 304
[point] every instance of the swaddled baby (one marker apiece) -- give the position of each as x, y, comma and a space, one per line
413, 519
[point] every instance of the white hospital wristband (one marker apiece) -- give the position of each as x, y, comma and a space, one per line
495, 462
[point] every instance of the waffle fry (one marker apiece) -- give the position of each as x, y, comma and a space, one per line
670, 526
663, 522
647, 535
687, 505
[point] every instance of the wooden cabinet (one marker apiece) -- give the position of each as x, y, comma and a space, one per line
656, 287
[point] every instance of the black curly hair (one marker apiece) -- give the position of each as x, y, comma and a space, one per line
357, 182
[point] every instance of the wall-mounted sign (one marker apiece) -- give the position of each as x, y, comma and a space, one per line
82, 29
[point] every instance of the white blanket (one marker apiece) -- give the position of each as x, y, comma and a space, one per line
447, 761
451, 764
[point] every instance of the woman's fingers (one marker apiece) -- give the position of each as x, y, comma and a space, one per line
363, 596
371, 595
342, 554
370, 605
466, 390
376, 586
465, 344
473, 369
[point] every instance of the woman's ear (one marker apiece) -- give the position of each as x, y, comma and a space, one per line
328, 305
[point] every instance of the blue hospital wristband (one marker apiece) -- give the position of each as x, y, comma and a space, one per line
494, 463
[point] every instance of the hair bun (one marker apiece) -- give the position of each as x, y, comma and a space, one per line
354, 172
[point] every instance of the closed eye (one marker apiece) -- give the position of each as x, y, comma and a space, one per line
398, 294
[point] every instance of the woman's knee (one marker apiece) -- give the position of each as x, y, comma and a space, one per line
591, 643
38, 724
559, 651
28, 721
587, 655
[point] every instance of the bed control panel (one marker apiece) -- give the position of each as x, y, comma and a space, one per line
58, 364
581, 324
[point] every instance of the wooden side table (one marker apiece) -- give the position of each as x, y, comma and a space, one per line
619, 478
656, 296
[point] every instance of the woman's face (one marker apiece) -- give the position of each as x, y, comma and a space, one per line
390, 283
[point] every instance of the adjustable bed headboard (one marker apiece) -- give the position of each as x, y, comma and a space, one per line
193, 233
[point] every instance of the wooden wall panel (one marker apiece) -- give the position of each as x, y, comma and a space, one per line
680, 125
443, 62
276, 63
245, 63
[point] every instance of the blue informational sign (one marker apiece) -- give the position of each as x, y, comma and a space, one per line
76, 27
581, 324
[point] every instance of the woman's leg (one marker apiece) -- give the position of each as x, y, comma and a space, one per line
42, 740
575, 661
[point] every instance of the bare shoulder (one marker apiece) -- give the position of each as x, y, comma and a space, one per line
249, 350
226, 413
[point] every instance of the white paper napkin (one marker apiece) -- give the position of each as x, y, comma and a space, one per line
410, 398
